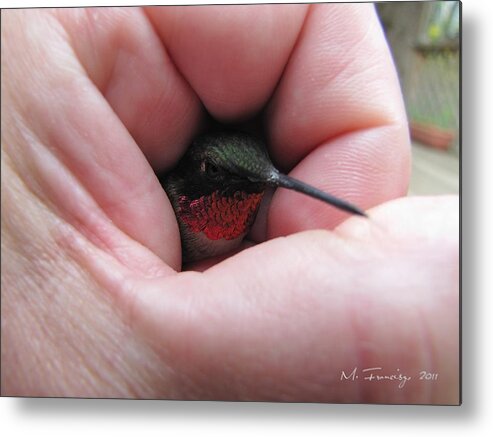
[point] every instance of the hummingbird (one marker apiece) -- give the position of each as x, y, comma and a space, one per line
217, 187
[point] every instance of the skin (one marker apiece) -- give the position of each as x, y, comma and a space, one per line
93, 299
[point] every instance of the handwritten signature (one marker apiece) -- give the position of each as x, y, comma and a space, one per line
376, 374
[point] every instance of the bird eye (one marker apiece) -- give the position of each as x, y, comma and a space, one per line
211, 169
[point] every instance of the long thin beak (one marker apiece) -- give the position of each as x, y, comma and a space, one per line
282, 180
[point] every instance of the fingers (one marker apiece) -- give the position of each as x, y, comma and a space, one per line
146, 68
221, 52
339, 79
365, 168
338, 110
224, 59
126, 60
284, 319
68, 145
232, 56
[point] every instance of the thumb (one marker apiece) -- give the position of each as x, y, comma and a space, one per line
292, 318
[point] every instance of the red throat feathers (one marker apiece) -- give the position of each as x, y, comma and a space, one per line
218, 216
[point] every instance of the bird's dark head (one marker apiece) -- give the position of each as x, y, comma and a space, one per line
228, 160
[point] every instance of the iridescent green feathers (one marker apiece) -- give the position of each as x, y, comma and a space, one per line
237, 153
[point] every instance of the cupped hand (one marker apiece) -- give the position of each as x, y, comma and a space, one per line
95, 101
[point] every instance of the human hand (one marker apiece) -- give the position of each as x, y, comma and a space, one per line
94, 100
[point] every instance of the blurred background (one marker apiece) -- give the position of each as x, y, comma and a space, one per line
425, 44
